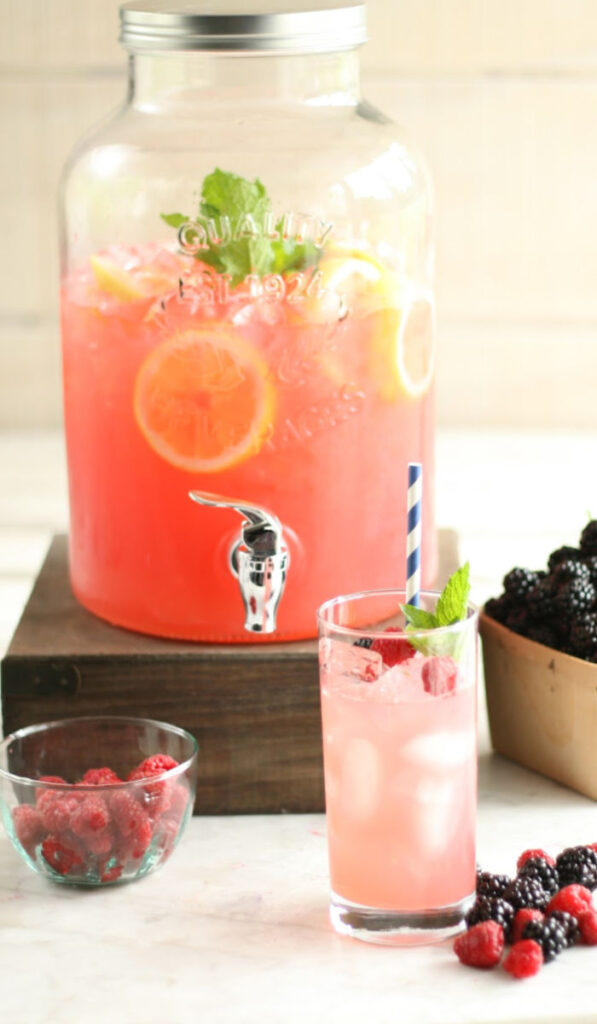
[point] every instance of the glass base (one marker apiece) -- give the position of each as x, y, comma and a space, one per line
398, 927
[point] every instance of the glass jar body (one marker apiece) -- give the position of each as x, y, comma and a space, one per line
276, 348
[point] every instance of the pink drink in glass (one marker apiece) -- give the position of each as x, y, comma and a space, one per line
400, 779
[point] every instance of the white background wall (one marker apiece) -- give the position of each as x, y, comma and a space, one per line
502, 97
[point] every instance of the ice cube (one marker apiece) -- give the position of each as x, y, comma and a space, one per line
346, 659
403, 682
361, 778
441, 750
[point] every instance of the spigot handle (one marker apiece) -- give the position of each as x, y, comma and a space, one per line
259, 559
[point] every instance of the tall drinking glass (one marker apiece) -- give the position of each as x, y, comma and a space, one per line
400, 760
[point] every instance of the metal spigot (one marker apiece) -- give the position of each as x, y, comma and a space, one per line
259, 559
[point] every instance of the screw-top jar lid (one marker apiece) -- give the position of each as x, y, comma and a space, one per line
288, 27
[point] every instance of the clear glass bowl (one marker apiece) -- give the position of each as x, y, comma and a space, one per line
97, 800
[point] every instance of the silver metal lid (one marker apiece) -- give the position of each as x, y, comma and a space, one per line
284, 27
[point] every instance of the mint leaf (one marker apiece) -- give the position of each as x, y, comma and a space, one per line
453, 601
418, 618
245, 207
175, 220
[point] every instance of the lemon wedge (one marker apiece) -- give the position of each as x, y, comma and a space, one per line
112, 279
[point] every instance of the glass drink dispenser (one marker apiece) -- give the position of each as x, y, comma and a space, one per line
247, 327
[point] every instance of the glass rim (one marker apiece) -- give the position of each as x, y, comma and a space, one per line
38, 727
343, 630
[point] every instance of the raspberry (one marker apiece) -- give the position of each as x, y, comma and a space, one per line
155, 765
577, 865
167, 837
587, 924
112, 873
100, 777
57, 808
91, 815
526, 892
98, 843
481, 946
569, 924
394, 650
40, 793
572, 898
492, 908
439, 675
61, 858
491, 885
521, 919
541, 871
524, 959
534, 854
550, 935
127, 813
28, 826
134, 845
179, 799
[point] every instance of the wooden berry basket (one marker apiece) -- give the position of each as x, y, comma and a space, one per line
542, 707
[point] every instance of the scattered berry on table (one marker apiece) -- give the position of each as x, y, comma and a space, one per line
521, 919
569, 924
525, 891
491, 885
524, 959
532, 855
481, 946
393, 649
550, 935
491, 908
572, 898
587, 926
542, 871
439, 675
578, 865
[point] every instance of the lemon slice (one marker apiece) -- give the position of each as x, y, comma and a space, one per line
110, 278
349, 281
204, 400
415, 350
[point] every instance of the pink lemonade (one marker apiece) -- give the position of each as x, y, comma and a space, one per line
400, 782
302, 393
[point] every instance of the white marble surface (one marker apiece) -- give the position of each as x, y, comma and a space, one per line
234, 928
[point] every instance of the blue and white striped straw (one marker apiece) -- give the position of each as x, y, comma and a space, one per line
413, 536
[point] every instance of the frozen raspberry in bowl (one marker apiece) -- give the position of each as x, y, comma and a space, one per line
98, 800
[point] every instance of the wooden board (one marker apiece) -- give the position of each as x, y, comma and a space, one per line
253, 708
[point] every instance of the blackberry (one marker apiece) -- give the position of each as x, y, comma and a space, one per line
543, 634
568, 571
497, 608
526, 891
541, 871
591, 564
363, 641
518, 582
518, 620
491, 908
588, 539
577, 865
583, 635
564, 554
569, 924
550, 935
491, 885
574, 598
541, 600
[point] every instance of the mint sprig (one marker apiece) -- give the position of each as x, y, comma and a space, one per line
451, 607
244, 204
